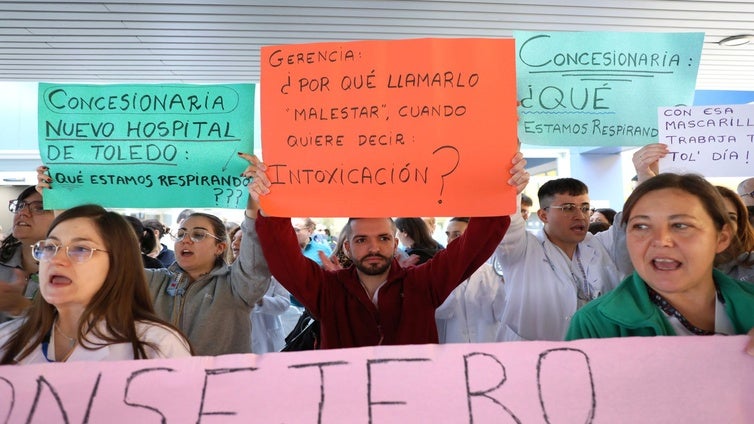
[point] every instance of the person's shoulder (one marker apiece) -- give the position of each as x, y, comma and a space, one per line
726, 282
629, 299
151, 263
595, 319
161, 275
153, 330
12, 260
166, 252
487, 272
168, 341
8, 328
11, 326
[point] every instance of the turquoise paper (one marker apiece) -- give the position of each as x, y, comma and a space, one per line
146, 145
601, 88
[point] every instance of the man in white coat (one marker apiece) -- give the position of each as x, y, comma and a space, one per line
473, 311
267, 333
553, 272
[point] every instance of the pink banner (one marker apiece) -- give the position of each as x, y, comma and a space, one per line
662, 379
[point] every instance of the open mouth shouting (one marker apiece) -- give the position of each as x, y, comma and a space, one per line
665, 264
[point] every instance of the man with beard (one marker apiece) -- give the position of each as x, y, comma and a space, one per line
375, 301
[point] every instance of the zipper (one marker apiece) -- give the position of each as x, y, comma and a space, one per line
382, 336
179, 292
184, 295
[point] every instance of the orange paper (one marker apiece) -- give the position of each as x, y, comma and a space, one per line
389, 128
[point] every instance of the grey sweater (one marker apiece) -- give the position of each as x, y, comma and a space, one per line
213, 311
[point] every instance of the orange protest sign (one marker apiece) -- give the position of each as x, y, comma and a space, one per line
421, 127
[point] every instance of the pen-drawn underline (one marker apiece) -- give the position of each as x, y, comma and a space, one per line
110, 164
607, 75
143, 140
565, 113
605, 79
597, 71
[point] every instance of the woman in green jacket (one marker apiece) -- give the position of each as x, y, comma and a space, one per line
675, 226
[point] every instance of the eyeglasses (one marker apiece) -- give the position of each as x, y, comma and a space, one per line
46, 250
570, 208
35, 207
747, 194
196, 235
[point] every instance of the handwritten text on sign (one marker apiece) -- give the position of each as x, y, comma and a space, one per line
389, 128
609, 380
146, 145
715, 141
601, 88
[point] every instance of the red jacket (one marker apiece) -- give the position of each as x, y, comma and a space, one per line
407, 301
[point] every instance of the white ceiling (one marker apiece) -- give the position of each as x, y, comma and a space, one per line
205, 41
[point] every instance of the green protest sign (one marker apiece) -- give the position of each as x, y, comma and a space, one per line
601, 88
146, 145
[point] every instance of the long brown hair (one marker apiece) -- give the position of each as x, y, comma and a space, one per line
744, 229
122, 300
419, 233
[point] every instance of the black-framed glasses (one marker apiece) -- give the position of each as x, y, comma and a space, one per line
570, 208
751, 194
196, 235
35, 207
46, 250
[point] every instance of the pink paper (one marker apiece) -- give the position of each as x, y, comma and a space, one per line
661, 380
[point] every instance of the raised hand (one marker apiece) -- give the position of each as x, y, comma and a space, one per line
646, 160
520, 176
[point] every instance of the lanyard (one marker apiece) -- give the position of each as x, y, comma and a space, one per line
584, 290
46, 345
670, 310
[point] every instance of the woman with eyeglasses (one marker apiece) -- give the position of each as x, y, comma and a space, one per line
204, 292
676, 225
18, 269
94, 302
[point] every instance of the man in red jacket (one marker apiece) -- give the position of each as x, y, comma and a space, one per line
375, 301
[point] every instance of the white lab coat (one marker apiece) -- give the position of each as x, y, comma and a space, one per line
267, 333
168, 342
473, 313
541, 296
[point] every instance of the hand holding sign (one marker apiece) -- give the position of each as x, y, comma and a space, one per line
256, 171
520, 176
646, 160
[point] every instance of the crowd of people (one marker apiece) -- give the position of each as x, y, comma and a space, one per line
89, 284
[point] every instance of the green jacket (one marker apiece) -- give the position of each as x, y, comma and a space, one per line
627, 311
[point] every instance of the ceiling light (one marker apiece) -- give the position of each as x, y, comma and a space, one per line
736, 40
